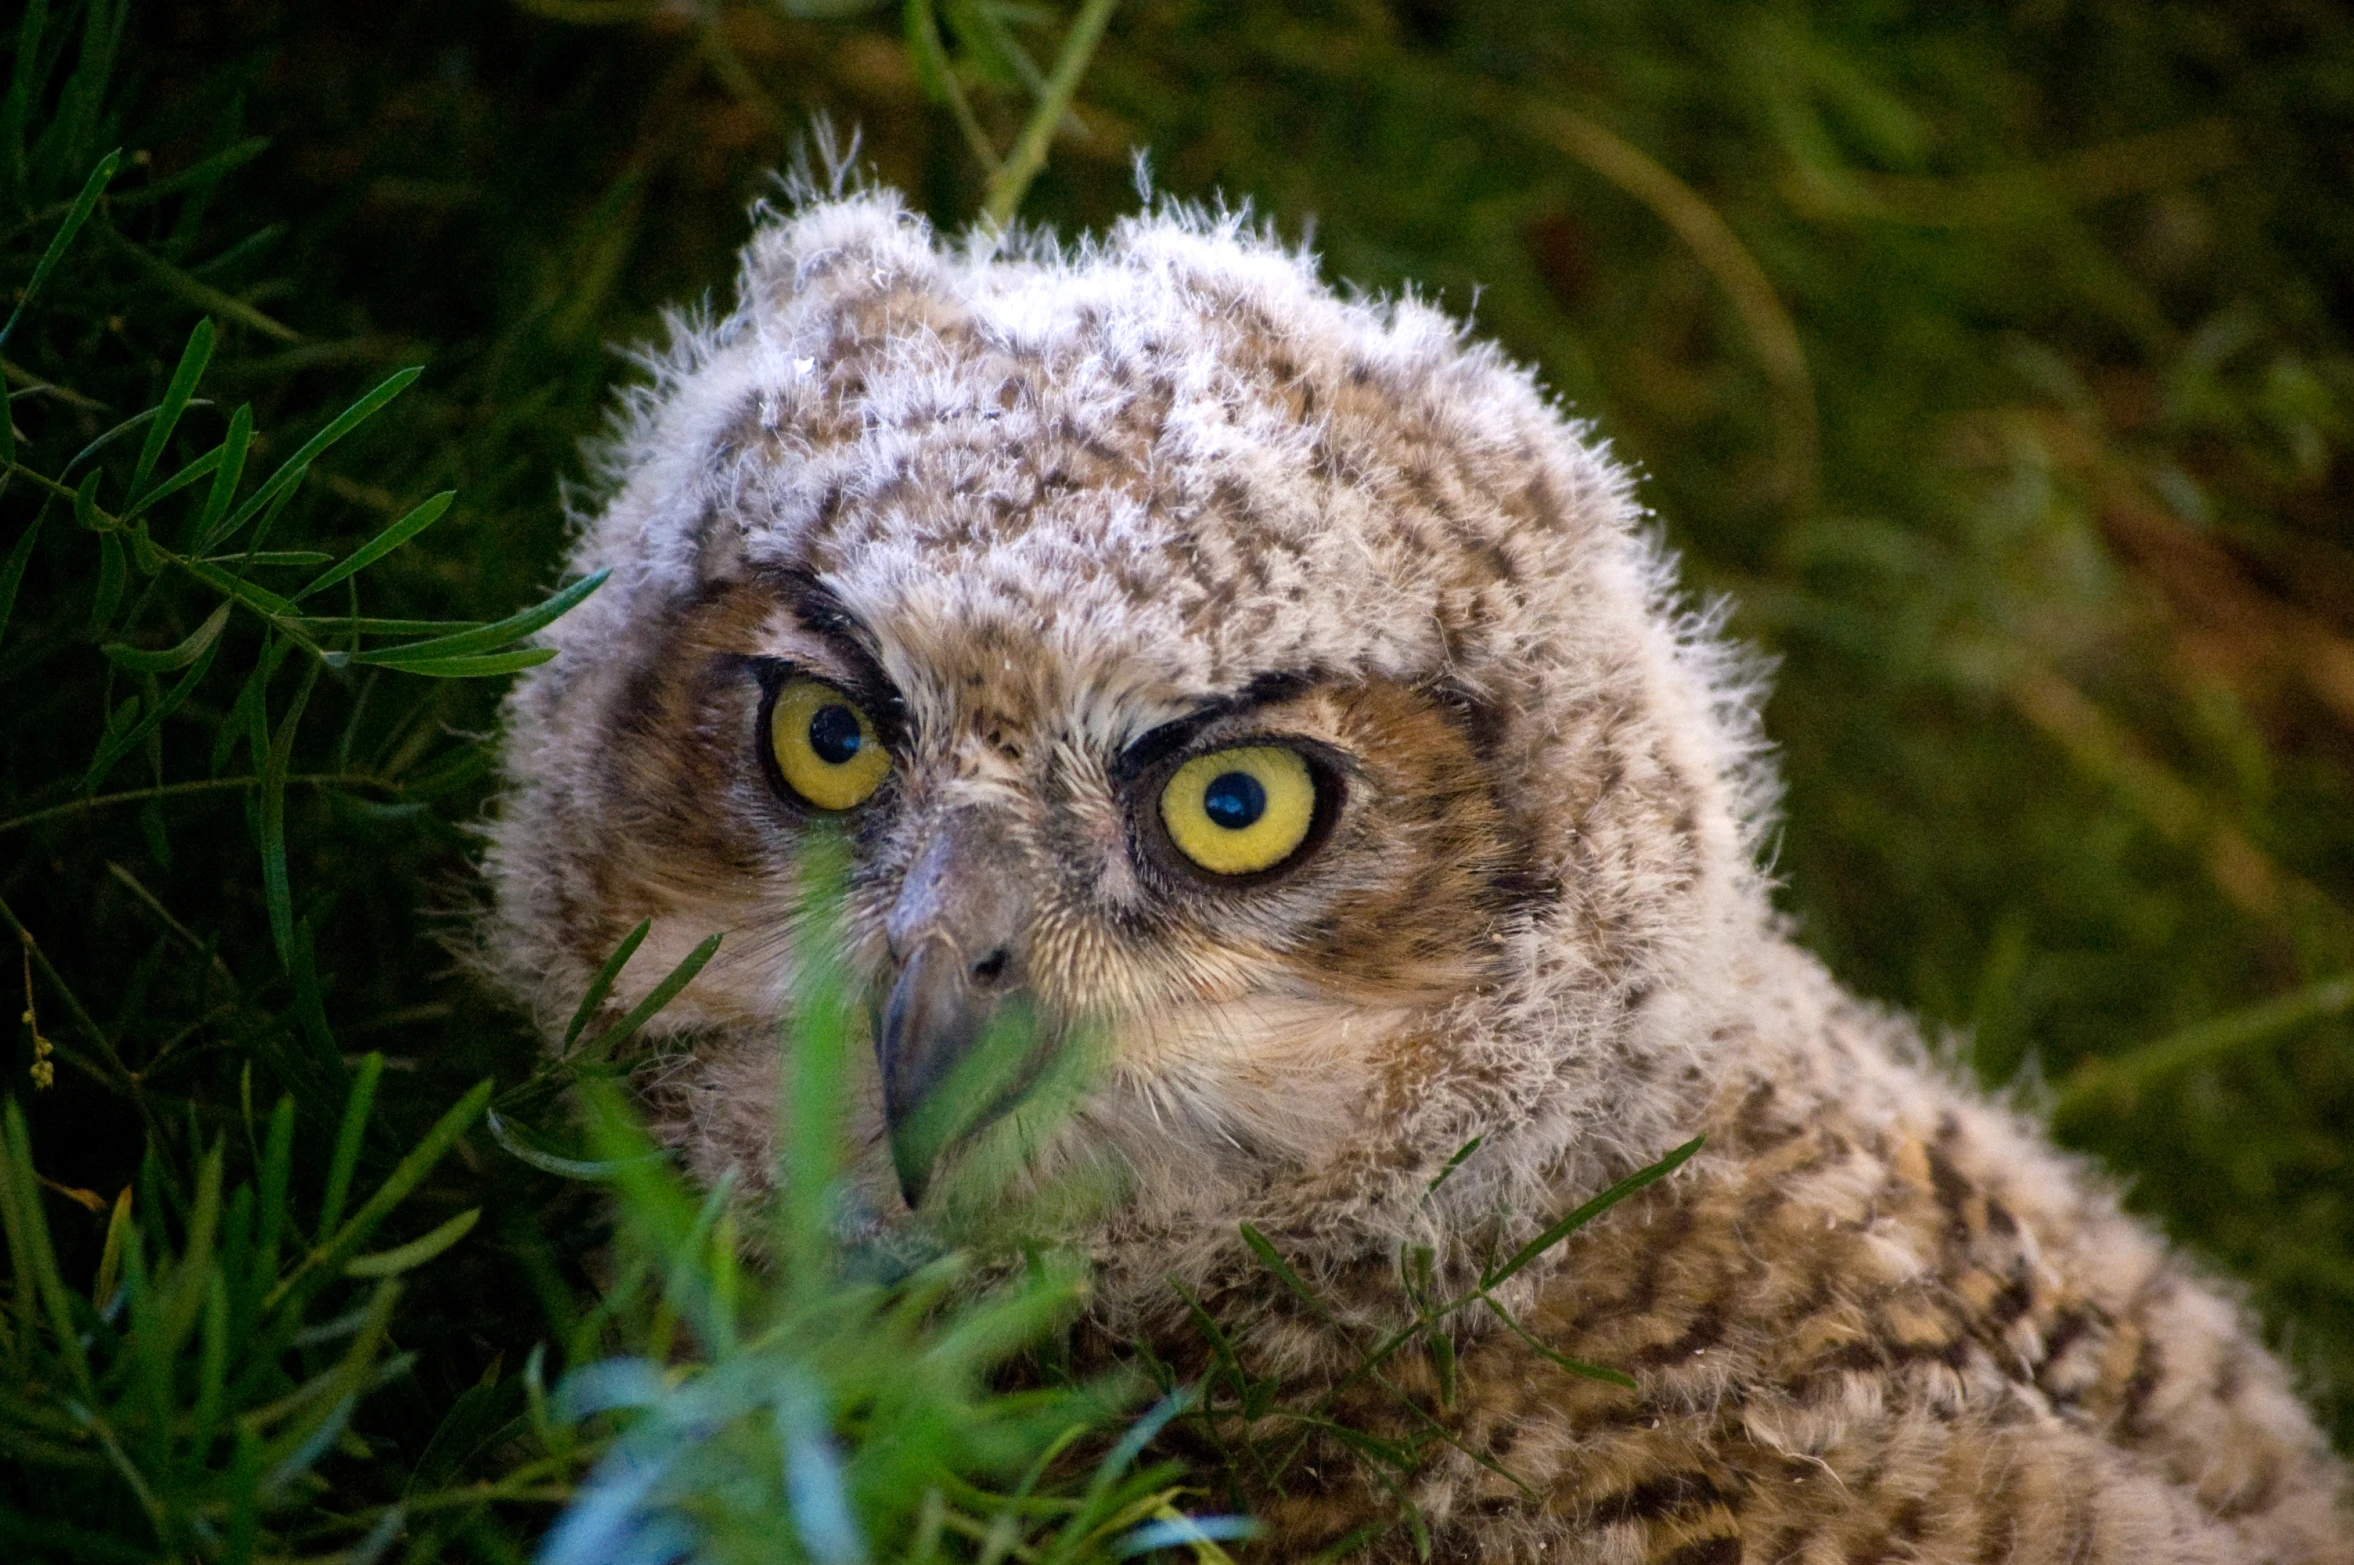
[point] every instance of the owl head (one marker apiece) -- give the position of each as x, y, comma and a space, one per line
1270, 678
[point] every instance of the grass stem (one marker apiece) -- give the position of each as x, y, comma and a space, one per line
1009, 183
176, 790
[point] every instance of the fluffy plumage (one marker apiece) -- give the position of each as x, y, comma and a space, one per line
1042, 511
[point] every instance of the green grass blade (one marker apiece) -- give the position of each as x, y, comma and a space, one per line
364, 625
188, 651
110, 1258
86, 504
212, 1371
113, 749
1564, 1227
198, 292
483, 1413
449, 772
188, 1273
209, 462
79, 214
23, 1338
291, 471
20, 555
1011, 180
133, 1478
193, 359
815, 1042
275, 886
1221, 1347
410, 1256
659, 996
602, 984
2114, 1083
1462, 1154
226, 477
242, 722
81, 102
329, 1261
520, 1145
112, 576
139, 420
274, 557
276, 1180
376, 548
1272, 1259
1120, 1458
991, 45
478, 666
260, 599
28, 1235
245, 1499
485, 638
332, 1396
926, 53
356, 1109
202, 172
1575, 1366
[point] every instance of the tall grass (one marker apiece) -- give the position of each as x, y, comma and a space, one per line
227, 1378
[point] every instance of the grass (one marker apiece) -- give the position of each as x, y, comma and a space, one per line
1995, 362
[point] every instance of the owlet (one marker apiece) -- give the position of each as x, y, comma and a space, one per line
1277, 681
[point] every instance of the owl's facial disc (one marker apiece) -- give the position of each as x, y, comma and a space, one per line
1240, 898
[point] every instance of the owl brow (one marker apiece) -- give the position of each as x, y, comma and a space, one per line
819, 610
823, 615
1166, 740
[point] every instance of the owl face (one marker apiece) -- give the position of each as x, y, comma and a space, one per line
1272, 682
1169, 863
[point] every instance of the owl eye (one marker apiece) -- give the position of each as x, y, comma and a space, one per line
825, 747
1239, 811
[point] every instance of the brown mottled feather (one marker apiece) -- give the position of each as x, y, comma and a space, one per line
1041, 504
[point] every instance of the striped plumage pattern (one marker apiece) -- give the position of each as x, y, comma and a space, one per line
1864, 1326
1043, 509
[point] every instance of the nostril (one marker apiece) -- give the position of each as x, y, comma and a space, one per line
992, 967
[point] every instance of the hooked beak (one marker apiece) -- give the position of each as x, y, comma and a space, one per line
955, 937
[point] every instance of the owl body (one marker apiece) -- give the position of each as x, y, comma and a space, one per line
1274, 688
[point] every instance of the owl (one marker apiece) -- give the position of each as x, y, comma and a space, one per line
1275, 680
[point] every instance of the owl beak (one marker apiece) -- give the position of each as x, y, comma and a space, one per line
956, 936
930, 1023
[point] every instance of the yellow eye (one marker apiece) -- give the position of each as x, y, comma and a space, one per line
825, 747
1238, 811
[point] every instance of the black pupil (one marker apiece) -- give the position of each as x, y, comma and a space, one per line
1234, 800
834, 735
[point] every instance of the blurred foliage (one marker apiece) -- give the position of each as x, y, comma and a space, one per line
1993, 358
843, 1392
